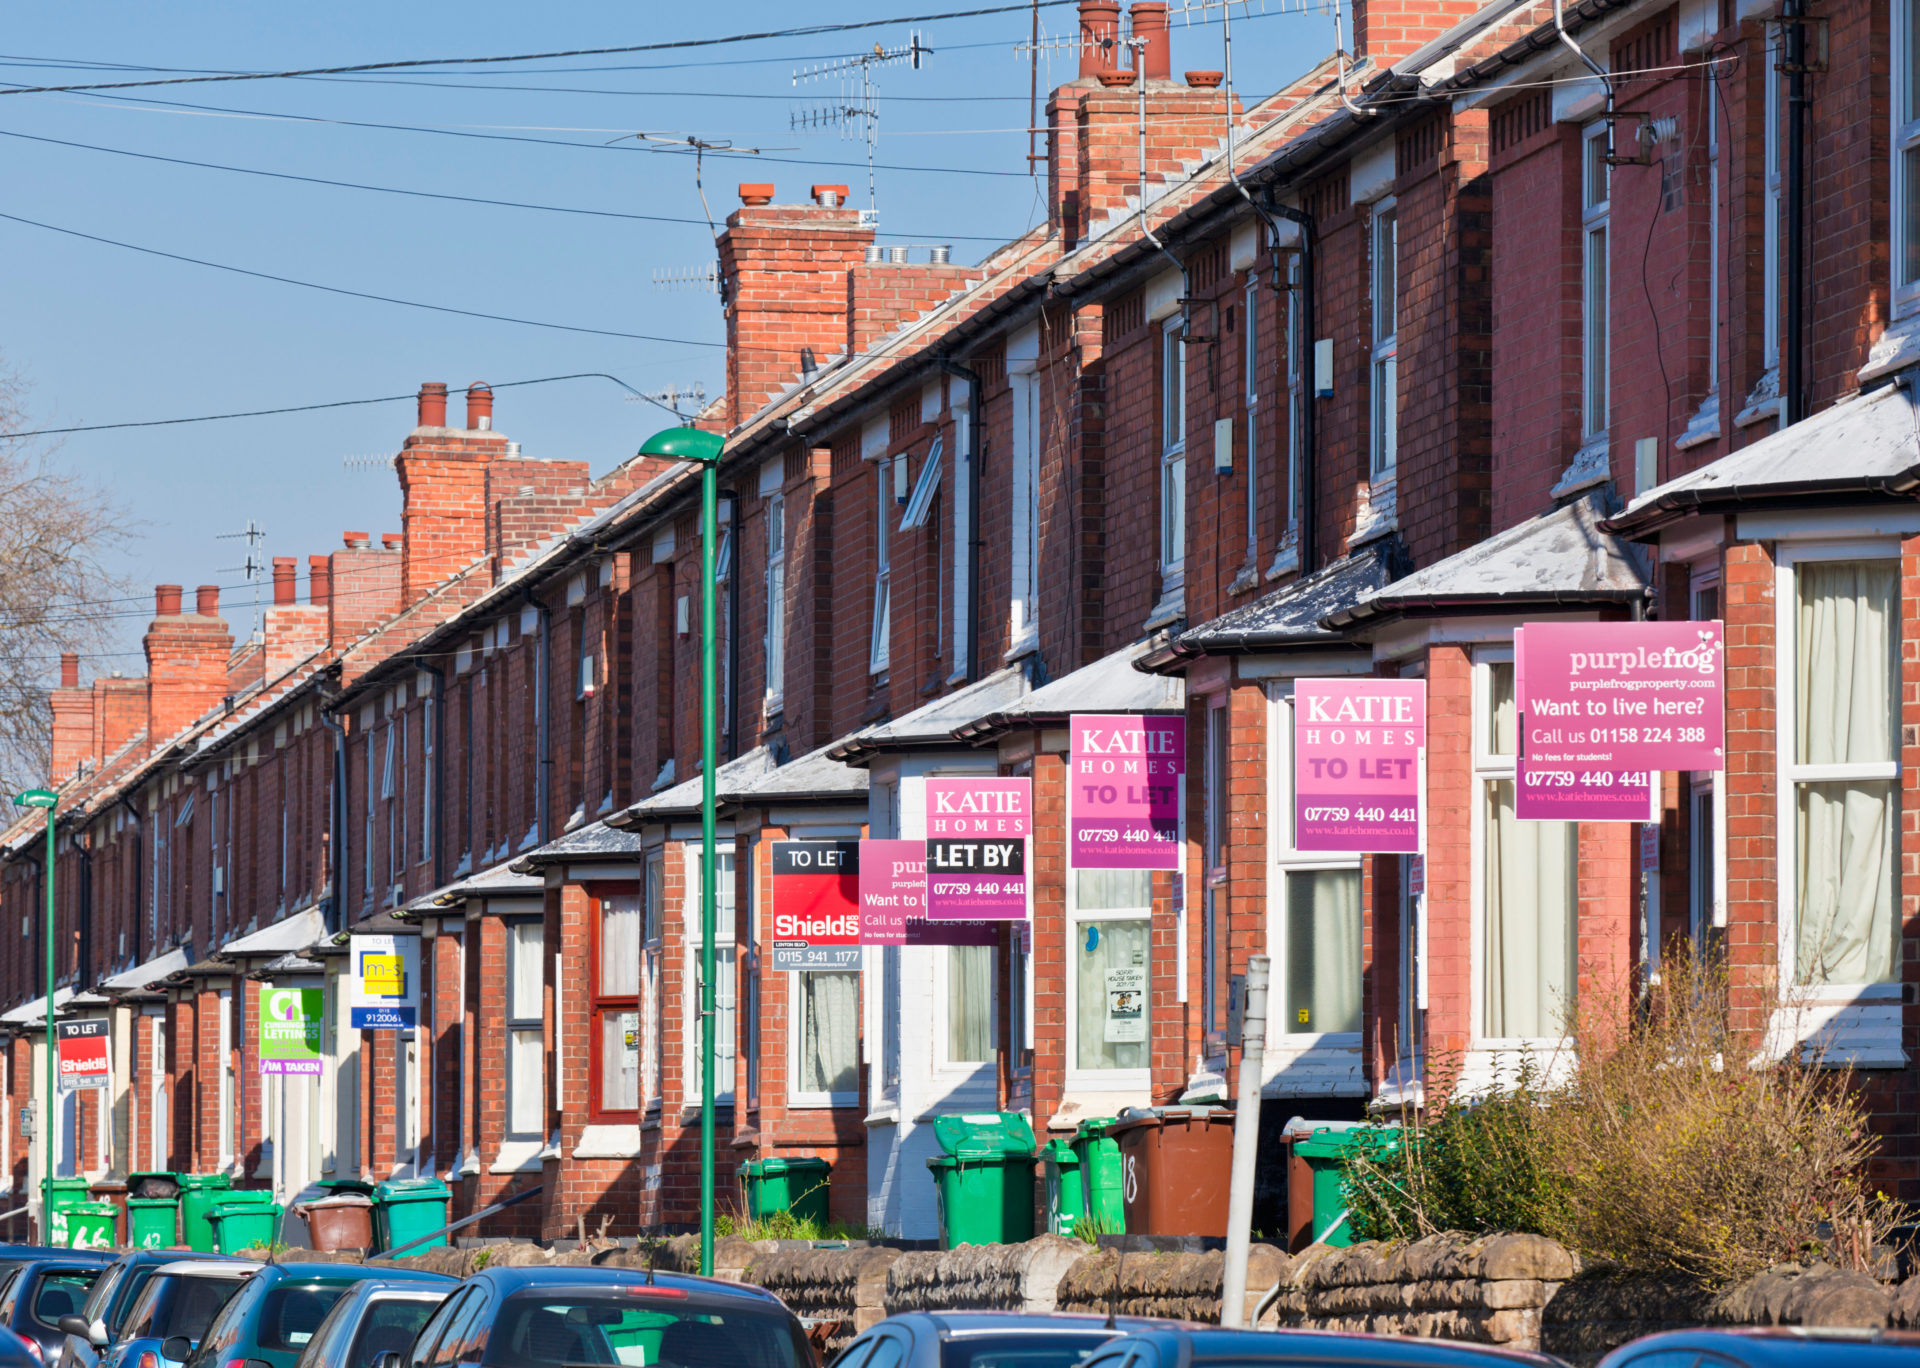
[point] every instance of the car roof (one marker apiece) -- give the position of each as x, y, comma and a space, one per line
347, 1273
1209, 1342
69, 1258
511, 1280
952, 1323
208, 1268
1768, 1344
134, 1258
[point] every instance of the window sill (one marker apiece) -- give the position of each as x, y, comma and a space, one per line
1897, 348
1859, 1032
822, 1101
1172, 606
1024, 645
1703, 427
884, 1116
1248, 578
1080, 1105
1763, 405
1589, 467
609, 1141
1286, 560
517, 1156
1327, 1065
1379, 514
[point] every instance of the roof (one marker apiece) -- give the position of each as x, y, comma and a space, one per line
1766, 1346
1207, 1343
208, 1268
510, 1280
596, 841
1863, 448
1562, 557
1291, 617
815, 776
388, 921
138, 978
297, 931
684, 797
934, 724
1112, 684
28, 1013
501, 880
293, 964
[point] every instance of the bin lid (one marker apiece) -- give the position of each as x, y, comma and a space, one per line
153, 1201
1141, 1117
205, 1180
93, 1209
1095, 1128
772, 1168
410, 1190
66, 1184
108, 1185
1061, 1152
221, 1210
984, 1135
1336, 1143
339, 1199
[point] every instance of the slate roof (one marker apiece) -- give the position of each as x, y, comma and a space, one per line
1862, 449
129, 982
815, 776
500, 880
1291, 617
1560, 557
596, 841
684, 797
296, 932
934, 724
1111, 684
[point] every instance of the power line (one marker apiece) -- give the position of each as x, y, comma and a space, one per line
805, 31
355, 294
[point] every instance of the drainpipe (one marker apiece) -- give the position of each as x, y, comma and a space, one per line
139, 877
336, 817
1233, 172
1793, 378
439, 761
1309, 482
955, 369
83, 975
733, 624
543, 775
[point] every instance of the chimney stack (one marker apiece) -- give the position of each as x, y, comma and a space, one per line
433, 405
72, 720
69, 669
1149, 19
480, 407
295, 630
186, 660
286, 574
362, 584
1099, 38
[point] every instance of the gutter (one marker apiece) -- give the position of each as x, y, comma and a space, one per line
1440, 605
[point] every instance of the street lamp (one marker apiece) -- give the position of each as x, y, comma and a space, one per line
694, 444
48, 799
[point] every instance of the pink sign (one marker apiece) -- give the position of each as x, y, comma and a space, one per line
893, 887
1549, 793
1123, 791
953, 932
1356, 764
1624, 696
979, 807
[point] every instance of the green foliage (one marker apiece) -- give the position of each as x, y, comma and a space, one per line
784, 1225
481, 1259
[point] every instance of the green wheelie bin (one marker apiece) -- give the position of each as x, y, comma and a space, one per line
60, 1196
90, 1225
244, 1225
983, 1179
797, 1185
1066, 1194
404, 1209
199, 1194
1325, 1153
1100, 1172
153, 1209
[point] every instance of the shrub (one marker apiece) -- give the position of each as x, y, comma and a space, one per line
1668, 1149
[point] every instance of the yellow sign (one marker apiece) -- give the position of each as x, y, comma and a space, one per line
383, 975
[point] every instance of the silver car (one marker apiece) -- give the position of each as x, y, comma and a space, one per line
173, 1311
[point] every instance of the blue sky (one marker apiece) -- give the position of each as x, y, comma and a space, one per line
103, 334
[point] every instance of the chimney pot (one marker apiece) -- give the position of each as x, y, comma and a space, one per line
356, 541
1099, 36
829, 196
756, 193
1205, 80
875, 254
1116, 78
69, 670
897, 256
1150, 23
206, 600
941, 255
286, 571
166, 600
319, 581
480, 407
433, 404
391, 540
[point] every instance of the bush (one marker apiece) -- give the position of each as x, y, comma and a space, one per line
1667, 1150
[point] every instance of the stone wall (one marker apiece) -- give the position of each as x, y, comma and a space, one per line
1173, 1286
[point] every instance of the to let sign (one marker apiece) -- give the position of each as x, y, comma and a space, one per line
816, 905
1357, 745
83, 1054
893, 887
290, 1021
1123, 796
1624, 697
385, 983
977, 832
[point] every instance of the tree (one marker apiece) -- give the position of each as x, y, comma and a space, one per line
56, 593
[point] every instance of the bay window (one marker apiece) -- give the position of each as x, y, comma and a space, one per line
526, 1036
880, 648
1316, 911
616, 1008
776, 587
1023, 627
725, 978
970, 1004
1527, 882
1842, 763
1109, 986
1250, 392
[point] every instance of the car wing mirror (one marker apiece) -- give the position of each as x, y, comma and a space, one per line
97, 1334
176, 1348
74, 1325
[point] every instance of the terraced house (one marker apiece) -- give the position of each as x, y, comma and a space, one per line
1498, 319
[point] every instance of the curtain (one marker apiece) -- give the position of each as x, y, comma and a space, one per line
619, 1061
526, 1088
1845, 699
524, 1000
620, 946
829, 1032
1502, 719
890, 1019
1530, 905
969, 1004
1323, 951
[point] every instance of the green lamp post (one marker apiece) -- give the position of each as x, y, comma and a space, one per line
694, 444
48, 799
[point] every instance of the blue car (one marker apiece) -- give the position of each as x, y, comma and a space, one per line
174, 1310
273, 1318
37, 1296
1195, 1346
374, 1319
97, 1324
1769, 1347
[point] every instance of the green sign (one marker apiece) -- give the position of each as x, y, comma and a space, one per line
290, 1030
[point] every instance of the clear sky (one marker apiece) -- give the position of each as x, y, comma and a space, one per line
102, 334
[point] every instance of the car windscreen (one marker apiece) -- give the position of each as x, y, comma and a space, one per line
62, 1292
1016, 1349
190, 1305
545, 1329
289, 1314
389, 1325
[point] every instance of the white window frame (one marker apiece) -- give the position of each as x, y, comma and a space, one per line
1787, 558
942, 997
1771, 201
1904, 109
724, 988
1707, 809
426, 777
653, 1015
159, 1123
1596, 327
959, 397
1383, 432
229, 1100
1101, 1080
880, 647
1716, 230
1283, 859
1173, 454
776, 589
1023, 626
516, 1027
796, 1095
1296, 397
1250, 388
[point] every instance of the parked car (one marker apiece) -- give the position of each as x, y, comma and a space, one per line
174, 1309
273, 1318
1768, 1347
374, 1319
37, 1296
985, 1339
14, 1352
112, 1298
1198, 1346
536, 1317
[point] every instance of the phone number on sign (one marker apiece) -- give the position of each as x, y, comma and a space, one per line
981, 888
1360, 814
1596, 736
1585, 779
1134, 835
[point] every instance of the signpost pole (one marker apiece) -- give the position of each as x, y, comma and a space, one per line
48, 799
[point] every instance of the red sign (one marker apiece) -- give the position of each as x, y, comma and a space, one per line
816, 905
83, 1054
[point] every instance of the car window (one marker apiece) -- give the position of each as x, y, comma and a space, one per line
1111, 1360
131, 1286
1021, 1350
62, 1293
291, 1312
436, 1327
1664, 1358
194, 1304
388, 1326
102, 1293
613, 1326
9, 1294
888, 1352
224, 1333
853, 1354
139, 1320
318, 1347
466, 1335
